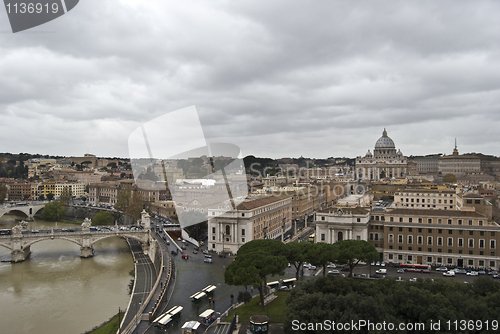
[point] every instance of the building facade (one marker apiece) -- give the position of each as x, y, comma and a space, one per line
440, 199
262, 218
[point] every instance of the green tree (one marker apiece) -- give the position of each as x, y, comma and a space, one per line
65, 195
53, 211
254, 261
130, 202
50, 196
3, 193
322, 254
112, 165
351, 252
102, 218
450, 178
244, 297
297, 255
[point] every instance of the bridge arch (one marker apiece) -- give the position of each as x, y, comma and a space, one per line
13, 210
50, 237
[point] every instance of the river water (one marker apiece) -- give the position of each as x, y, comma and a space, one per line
56, 291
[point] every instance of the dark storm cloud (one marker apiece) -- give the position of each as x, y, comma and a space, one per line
281, 78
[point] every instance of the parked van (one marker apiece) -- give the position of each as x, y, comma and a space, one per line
382, 271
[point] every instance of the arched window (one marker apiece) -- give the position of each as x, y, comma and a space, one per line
228, 229
340, 236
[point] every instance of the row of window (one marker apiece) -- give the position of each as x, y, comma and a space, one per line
470, 222
430, 230
420, 241
439, 201
425, 194
470, 262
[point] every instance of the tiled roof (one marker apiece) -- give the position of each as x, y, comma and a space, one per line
252, 204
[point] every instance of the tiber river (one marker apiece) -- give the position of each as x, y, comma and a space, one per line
56, 291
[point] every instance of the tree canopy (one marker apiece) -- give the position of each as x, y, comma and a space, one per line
386, 300
3, 193
255, 261
102, 218
53, 211
351, 252
65, 195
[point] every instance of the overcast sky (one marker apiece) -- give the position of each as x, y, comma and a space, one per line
277, 78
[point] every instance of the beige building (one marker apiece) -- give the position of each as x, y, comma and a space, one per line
258, 218
439, 199
384, 162
163, 208
436, 237
459, 164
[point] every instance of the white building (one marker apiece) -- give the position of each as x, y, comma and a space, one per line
336, 224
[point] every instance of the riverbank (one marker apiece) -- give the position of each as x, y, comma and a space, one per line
108, 327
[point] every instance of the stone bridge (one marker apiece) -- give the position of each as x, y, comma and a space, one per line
19, 243
29, 210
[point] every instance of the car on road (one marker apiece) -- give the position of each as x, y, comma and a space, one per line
461, 271
205, 251
195, 252
472, 273
185, 256
208, 256
442, 269
400, 270
449, 273
312, 268
35, 231
414, 279
496, 276
207, 260
381, 271
334, 272
493, 272
331, 266
481, 272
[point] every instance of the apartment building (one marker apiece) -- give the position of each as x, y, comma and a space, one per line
422, 198
19, 191
258, 218
435, 237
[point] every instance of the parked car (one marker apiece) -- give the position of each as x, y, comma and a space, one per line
381, 271
401, 270
442, 269
208, 256
207, 260
312, 268
185, 256
472, 273
334, 272
331, 266
461, 271
449, 273
413, 279
481, 272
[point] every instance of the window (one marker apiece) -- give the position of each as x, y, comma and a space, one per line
439, 220
439, 260
242, 231
481, 263
410, 239
390, 256
213, 238
358, 220
322, 217
440, 241
420, 240
471, 262
390, 228
400, 239
400, 229
450, 241
450, 260
391, 238
480, 223
470, 221
429, 220
410, 229
322, 237
410, 258
450, 221
471, 232
481, 243
400, 219
410, 220
420, 220
391, 219
481, 233
440, 231
228, 229
213, 229
213, 245
471, 243
400, 257
429, 259
460, 232
429, 241
460, 242
371, 236
492, 244
460, 222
